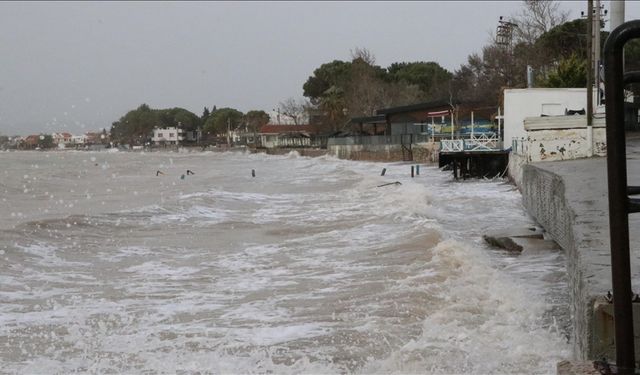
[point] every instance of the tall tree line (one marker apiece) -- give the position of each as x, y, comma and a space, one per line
137, 125
543, 38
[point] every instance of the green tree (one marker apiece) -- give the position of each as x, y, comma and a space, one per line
571, 72
136, 126
205, 115
432, 79
358, 88
255, 120
187, 120
334, 74
46, 141
333, 105
219, 121
4, 140
565, 40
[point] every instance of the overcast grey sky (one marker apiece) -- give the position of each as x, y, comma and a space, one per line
79, 66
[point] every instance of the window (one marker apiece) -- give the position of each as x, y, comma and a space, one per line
170, 135
159, 135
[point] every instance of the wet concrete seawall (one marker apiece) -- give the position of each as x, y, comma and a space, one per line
420, 152
569, 199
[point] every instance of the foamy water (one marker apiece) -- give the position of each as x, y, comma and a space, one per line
307, 268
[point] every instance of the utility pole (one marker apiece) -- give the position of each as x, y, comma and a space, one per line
504, 38
229, 131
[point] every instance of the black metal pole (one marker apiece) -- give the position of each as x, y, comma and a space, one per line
618, 198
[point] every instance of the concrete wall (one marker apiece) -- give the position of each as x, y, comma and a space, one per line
422, 152
522, 103
543, 195
554, 139
516, 164
564, 144
563, 138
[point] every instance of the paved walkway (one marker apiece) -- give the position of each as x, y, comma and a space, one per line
573, 206
586, 192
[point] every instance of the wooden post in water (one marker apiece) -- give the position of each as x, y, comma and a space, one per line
253, 173
418, 170
412, 171
384, 170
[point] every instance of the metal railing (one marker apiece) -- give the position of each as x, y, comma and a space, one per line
472, 144
620, 205
482, 142
519, 146
452, 145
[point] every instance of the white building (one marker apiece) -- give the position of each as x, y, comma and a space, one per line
79, 139
167, 136
61, 139
539, 102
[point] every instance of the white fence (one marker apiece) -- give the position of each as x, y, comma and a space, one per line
481, 142
452, 145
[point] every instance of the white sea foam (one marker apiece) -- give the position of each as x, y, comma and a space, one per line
309, 267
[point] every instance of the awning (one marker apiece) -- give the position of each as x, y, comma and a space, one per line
438, 113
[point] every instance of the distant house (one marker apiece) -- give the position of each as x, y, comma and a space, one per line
79, 139
31, 141
167, 136
286, 135
93, 138
62, 139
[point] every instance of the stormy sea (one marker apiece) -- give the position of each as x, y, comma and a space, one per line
124, 262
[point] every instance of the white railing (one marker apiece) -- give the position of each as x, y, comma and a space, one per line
482, 142
451, 145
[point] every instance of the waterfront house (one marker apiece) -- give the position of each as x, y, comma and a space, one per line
30, 142
167, 136
277, 135
79, 140
62, 139
395, 132
94, 138
437, 119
